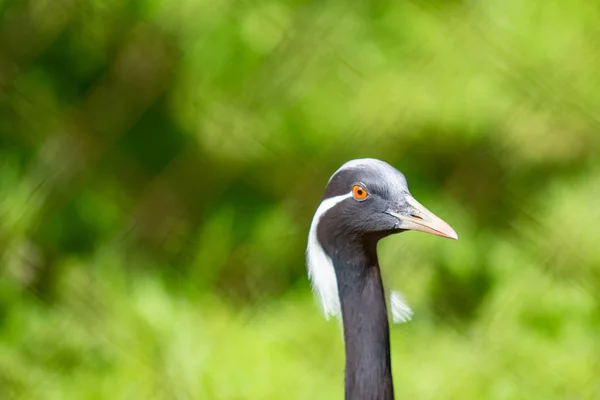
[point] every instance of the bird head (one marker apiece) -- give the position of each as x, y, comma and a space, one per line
370, 198
364, 201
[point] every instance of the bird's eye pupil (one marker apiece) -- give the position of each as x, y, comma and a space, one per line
359, 192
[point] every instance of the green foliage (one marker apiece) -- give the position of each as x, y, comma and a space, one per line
160, 162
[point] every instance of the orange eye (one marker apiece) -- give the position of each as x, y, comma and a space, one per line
359, 192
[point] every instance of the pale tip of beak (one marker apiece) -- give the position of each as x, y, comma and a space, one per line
447, 231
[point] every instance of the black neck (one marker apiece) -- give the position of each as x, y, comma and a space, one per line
366, 328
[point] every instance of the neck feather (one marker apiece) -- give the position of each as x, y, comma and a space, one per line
366, 328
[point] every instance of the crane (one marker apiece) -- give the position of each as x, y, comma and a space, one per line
365, 200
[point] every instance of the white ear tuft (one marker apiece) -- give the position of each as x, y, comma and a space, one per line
320, 267
401, 311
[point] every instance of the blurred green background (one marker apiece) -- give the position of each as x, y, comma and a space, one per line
160, 162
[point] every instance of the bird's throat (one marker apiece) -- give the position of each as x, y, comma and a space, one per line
366, 328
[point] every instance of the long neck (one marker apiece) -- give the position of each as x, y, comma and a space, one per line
366, 328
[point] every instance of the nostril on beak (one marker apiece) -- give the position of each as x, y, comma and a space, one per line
416, 216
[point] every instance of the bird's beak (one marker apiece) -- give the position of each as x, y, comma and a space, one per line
421, 219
